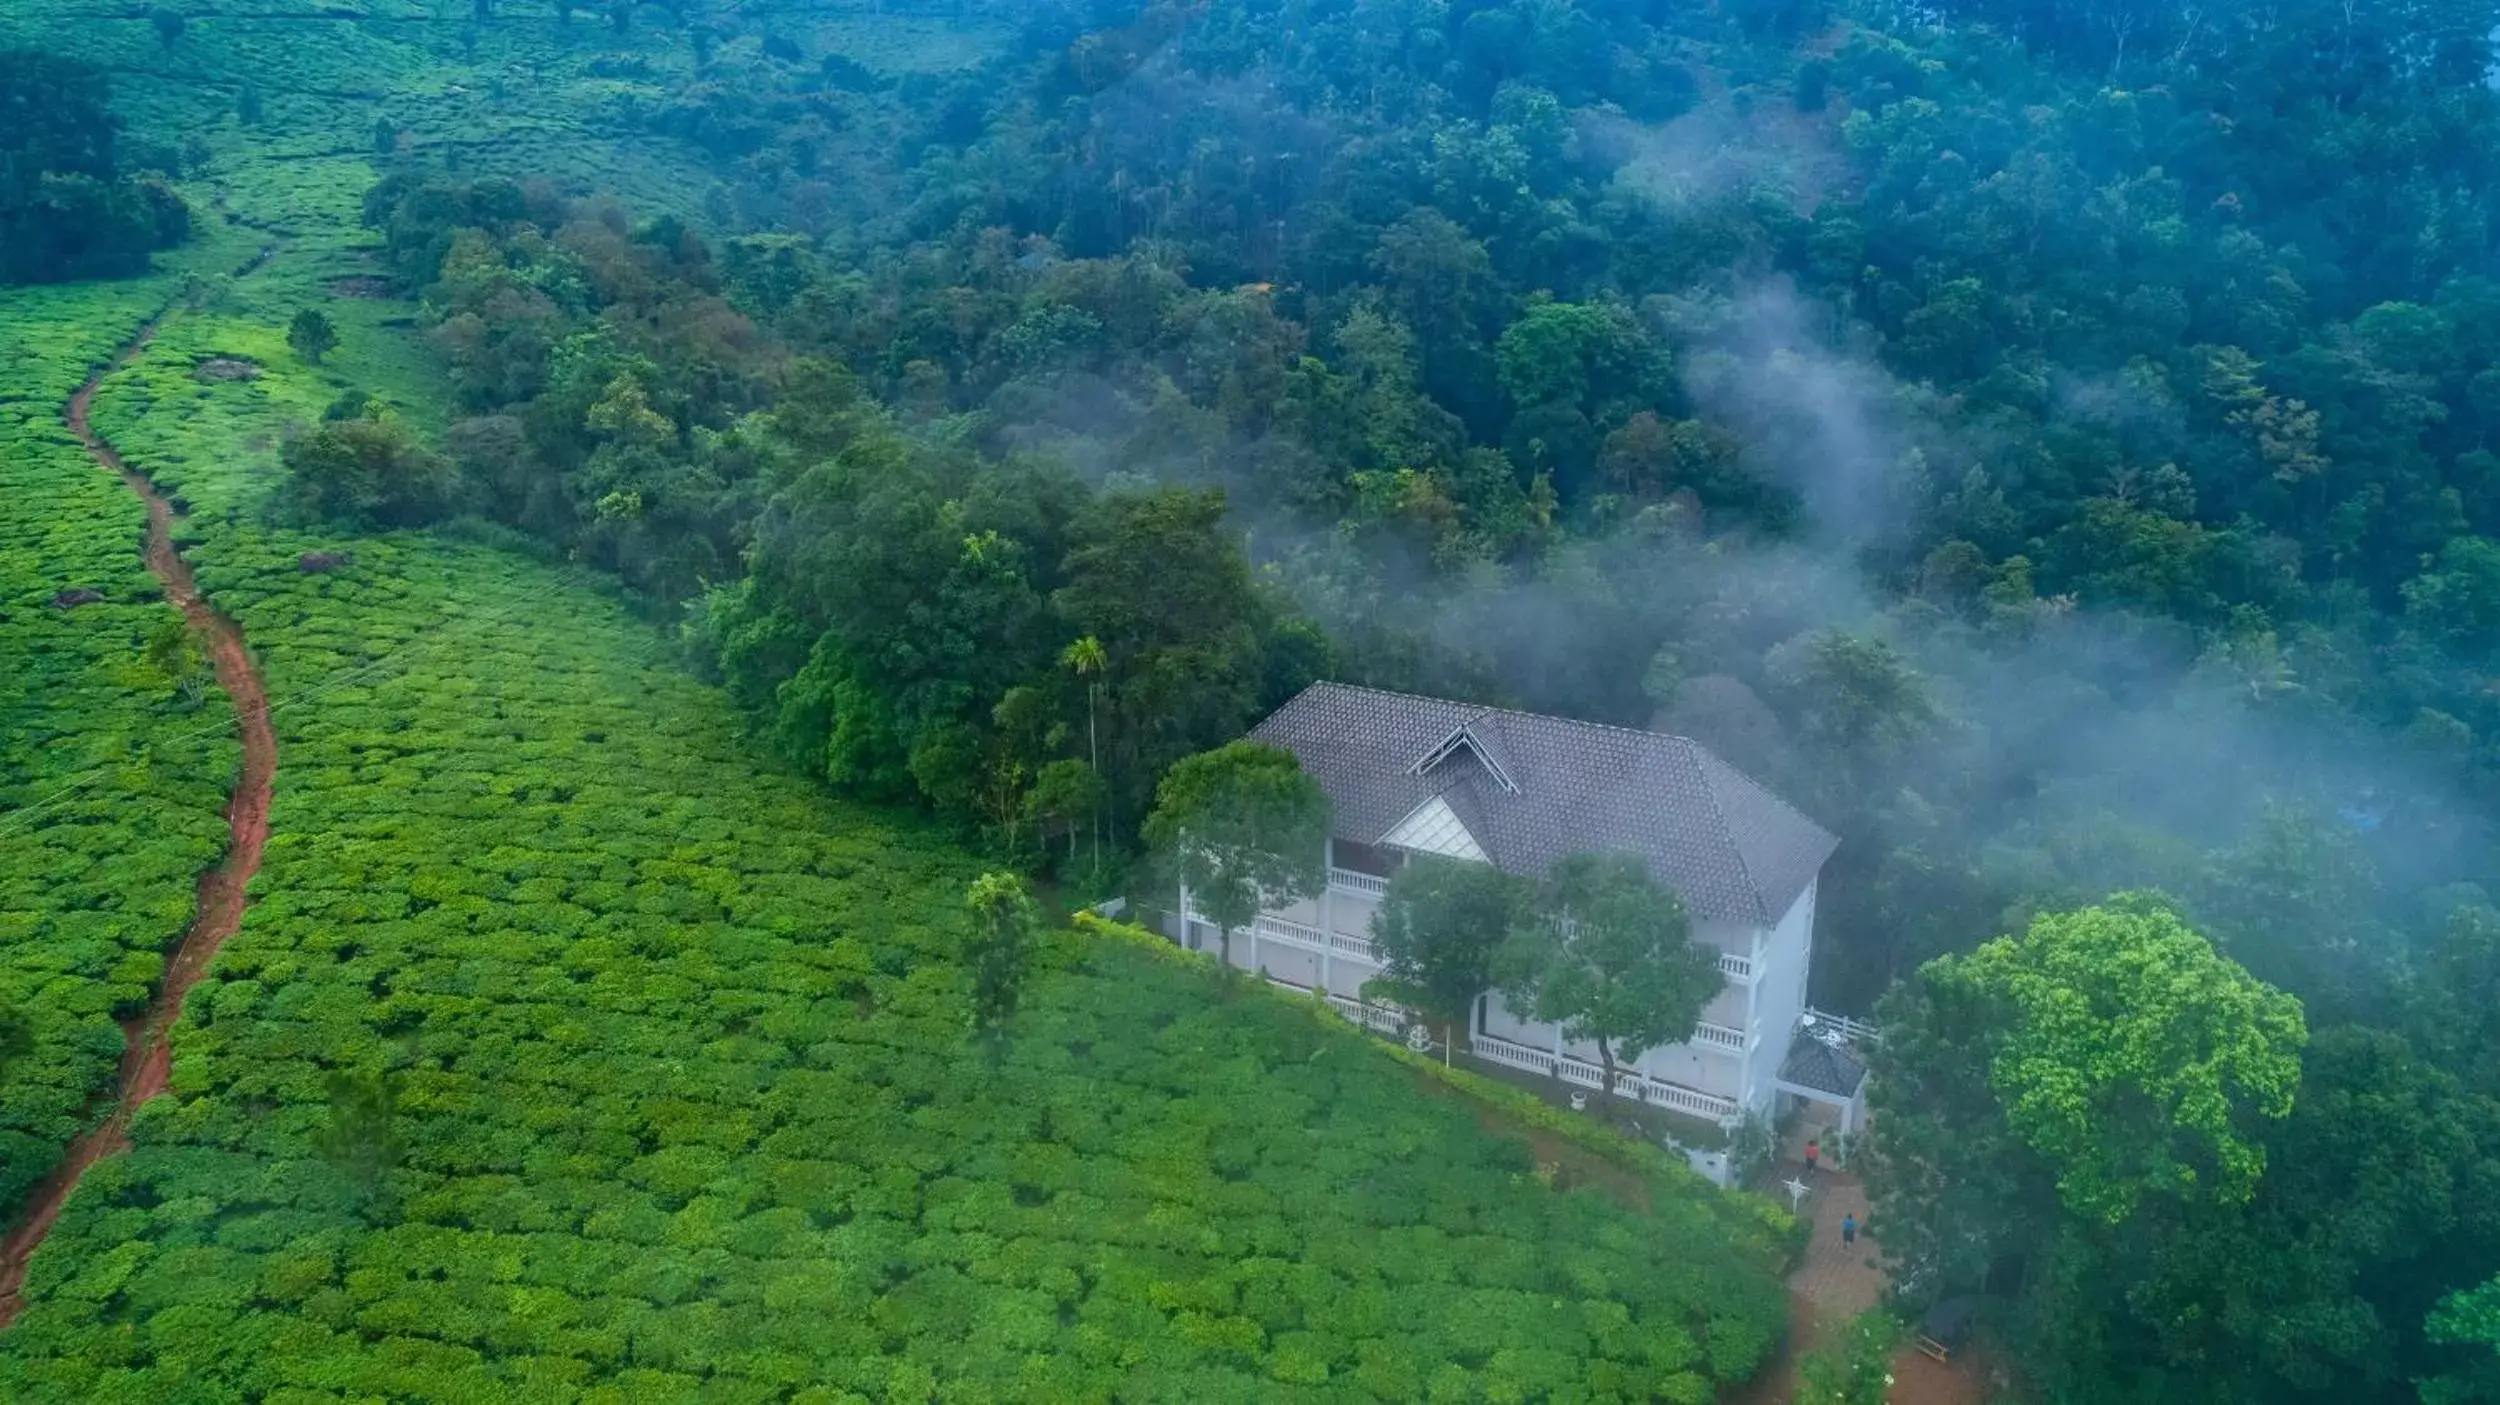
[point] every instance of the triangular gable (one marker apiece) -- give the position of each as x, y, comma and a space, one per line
1477, 744
1434, 828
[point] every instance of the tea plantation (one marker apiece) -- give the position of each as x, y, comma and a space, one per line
683, 1105
111, 781
687, 1105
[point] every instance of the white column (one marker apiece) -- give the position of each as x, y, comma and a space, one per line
1327, 912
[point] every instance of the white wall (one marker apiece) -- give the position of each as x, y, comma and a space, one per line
1780, 989
1770, 1005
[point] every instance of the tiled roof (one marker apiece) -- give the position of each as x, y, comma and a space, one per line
1731, 848
1811, 1063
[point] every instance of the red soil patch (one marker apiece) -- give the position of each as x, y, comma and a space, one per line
147, 1057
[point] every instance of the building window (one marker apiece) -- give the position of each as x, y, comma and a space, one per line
1364, 858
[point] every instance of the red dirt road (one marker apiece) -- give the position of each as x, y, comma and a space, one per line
147, 1057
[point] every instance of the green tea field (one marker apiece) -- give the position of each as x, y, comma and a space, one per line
668, 1090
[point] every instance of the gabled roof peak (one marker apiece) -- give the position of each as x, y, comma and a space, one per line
1467, 735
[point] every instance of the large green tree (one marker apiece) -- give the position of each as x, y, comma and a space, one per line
2469, 1321
2113, 1043
999, 949
1438, 930
1606, 952
1245, 830
1158, 581
2087, 1104
368, 472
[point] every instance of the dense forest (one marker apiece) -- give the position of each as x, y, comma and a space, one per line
2058, 444
69, 205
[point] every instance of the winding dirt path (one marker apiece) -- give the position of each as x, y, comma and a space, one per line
147, 1056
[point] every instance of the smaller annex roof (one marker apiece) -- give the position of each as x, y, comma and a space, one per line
1827, 1068
1529, 789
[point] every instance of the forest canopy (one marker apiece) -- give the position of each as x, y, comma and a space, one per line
69, 208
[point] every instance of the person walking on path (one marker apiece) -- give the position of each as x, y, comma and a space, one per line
1814, 1154
1849, 1229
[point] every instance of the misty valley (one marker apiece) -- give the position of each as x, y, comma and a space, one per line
771, 703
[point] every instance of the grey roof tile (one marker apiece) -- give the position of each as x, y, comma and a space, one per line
1731, 848
1811, 1063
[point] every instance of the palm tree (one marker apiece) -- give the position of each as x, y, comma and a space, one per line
1085, 658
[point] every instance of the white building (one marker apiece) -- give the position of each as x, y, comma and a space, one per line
1413, 775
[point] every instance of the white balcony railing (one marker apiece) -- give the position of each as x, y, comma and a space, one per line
1638, 1087
1309, 938
1851, 1031
1291, 933
1721, 1039
1736, 968
1382, 1018
1367, 885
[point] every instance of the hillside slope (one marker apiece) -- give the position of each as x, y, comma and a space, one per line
680, 1102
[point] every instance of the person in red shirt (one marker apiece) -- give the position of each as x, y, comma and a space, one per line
1814, 1155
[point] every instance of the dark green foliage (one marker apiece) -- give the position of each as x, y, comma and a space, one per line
66, 209
1246, 831
169, 25
1438, 929
17, 1037
1855, 1367
367, 471
1607, 953
312, 337
362, 1135
2022, 1146
999, 950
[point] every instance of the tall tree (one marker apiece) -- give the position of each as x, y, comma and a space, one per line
1607, 953
2057, 1105
66, 209
999, 949
1246, 830
1086, 660
1161, 583
2113, 1042
1438, 929
312, 335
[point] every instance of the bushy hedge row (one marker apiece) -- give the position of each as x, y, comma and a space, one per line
689, 1106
